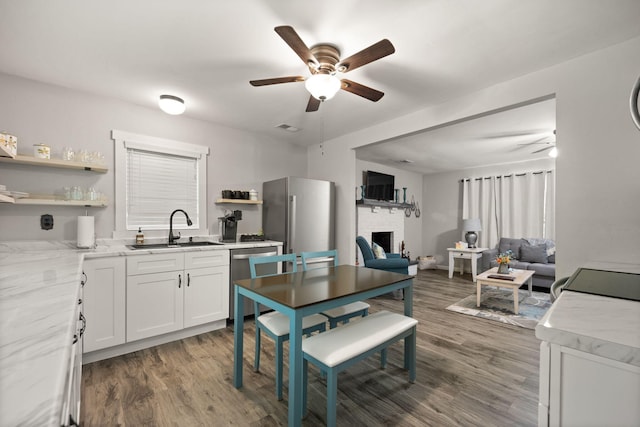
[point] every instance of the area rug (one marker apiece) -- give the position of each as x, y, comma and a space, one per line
497, 304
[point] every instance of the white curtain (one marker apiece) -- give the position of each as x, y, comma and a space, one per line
517, 205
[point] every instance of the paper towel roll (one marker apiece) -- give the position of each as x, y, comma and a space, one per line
86, 232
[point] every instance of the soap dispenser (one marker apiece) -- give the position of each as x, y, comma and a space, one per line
139, 237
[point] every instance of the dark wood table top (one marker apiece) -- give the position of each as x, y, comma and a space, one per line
296, 290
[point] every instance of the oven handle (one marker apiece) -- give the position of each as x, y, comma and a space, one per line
247, 256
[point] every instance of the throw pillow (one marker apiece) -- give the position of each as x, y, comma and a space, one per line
378, 251
533, 253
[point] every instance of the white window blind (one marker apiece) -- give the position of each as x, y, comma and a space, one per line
156, 185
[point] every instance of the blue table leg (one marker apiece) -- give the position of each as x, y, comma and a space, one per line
295, 369
238, 330
408, 311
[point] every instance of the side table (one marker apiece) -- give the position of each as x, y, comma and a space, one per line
472, 254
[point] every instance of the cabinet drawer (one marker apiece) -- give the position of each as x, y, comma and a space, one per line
156, 263
201, 259
463, 255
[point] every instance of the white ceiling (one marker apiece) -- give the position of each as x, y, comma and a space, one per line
207, 51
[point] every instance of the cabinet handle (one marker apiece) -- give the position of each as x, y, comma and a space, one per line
188, 279
84, 279
179, 280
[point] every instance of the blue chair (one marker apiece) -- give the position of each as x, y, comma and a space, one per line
345, 312
394, 262
275, 324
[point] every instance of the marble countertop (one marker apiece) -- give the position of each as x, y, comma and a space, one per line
604, 326
39, 287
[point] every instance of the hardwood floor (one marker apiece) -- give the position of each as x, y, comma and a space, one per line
471, 372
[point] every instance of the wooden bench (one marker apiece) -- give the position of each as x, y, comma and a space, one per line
337, 349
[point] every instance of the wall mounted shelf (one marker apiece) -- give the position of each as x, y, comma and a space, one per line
55, 202
239, 201
54, 163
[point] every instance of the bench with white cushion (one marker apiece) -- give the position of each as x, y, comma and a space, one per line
337, 349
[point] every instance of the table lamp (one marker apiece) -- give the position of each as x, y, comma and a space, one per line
470, 226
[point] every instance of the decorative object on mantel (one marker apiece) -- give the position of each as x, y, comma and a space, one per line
362, 188
497, 305
503, 261
470, 226
397, 191
404, 195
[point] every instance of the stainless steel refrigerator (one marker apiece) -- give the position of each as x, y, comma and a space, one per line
299, 212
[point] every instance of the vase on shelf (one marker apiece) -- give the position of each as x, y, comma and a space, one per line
362, 188
503, 268
404, 196
397, 190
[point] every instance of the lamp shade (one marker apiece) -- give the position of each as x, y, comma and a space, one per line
171, 104
472, 224
322, 86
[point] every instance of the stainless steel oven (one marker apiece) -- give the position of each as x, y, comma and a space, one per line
240, 270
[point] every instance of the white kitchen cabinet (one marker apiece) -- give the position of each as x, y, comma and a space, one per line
587, 390
173, 291
104, 302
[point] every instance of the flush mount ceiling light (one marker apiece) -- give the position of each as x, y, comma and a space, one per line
171, 104
323, 86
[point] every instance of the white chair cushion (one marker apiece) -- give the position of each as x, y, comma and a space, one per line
278, 323
345, 342
346, 309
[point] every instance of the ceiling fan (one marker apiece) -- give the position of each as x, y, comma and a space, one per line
324, 63
548, 140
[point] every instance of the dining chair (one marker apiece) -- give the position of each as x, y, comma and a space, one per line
342, 313
275, 324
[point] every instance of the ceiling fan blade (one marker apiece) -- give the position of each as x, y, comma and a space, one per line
294, 41
537, 141
542, 149
313, 104
361, 90
277, 80
365, 56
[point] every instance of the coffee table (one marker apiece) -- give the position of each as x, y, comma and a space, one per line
519, 278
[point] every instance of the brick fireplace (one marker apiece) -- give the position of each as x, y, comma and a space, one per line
381, 220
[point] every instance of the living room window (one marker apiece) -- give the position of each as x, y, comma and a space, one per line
516, 205
153, 178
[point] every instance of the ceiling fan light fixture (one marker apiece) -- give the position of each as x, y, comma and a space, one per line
323, 86
171, 104
553, 152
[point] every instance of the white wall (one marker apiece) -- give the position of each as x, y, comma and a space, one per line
41, 113
598, 185
442, 210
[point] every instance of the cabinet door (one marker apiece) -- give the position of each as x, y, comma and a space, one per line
206, 295
104, 303
154, 304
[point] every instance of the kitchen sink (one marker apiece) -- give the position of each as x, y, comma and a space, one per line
175, 245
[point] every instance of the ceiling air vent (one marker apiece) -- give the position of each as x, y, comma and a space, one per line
288, 128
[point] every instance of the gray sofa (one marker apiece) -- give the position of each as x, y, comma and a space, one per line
528, 254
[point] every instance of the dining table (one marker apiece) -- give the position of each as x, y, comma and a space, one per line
302, 293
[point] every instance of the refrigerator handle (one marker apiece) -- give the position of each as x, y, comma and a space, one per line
292, 224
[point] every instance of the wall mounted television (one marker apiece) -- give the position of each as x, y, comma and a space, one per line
379, 186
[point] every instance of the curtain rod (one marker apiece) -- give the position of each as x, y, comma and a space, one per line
505, 176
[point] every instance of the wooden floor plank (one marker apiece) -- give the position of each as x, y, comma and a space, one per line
470, 371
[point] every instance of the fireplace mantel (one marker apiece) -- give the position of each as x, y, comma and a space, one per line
382, 203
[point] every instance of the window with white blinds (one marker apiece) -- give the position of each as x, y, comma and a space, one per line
154, 177
157, 184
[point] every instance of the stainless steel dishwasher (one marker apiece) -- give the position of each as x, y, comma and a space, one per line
240, 270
